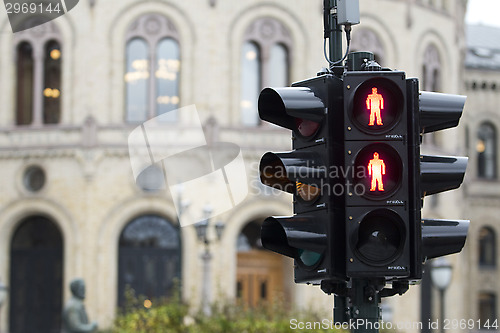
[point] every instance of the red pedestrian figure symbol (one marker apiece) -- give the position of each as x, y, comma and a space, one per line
376, 168
375, 103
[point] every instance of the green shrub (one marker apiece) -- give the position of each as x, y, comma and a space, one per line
172, 316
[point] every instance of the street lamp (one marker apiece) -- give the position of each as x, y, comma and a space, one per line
202, 228
441, 272
3, 296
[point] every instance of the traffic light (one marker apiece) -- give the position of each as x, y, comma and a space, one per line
310, 236
357, 176
435, 238
378, 164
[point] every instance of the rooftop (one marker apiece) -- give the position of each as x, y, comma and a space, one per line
483, 47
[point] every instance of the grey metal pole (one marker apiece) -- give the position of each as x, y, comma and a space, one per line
206, 294
335, 37
441, 309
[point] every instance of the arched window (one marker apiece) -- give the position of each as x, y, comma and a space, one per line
367, 40
149, 258
36, 277
249, 237
265, 62
52, 84
431, 69
486, 148
431, 81
487, 247
152, 72
250, 82
24, 100
487, 309
38, 75
137, 80
259, 274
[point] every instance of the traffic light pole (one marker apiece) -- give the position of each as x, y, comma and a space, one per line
333, 30
364, 309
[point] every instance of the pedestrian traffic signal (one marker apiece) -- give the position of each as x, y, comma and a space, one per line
311, 237
377, 150
358, 179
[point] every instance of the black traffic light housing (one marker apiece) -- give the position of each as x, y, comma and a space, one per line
435, 238
378, 146
311, 237
358, 178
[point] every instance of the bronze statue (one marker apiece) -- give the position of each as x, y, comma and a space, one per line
74, 315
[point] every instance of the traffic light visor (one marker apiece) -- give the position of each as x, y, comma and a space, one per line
441, 173
293, 172
295, 108
302, 238
439, 111
443, 237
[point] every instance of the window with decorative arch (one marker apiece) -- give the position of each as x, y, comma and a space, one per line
149, 259
486, 149
152, 69
265, 62
38, 56
431, 69
487, 309
366, 39
487, 248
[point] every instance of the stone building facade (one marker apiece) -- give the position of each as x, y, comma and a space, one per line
75, 88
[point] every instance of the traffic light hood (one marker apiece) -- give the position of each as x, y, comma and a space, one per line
285, 106
439, 111
289, 235
443, 237
282, 170
441, 173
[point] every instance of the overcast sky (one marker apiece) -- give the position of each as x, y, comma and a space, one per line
486, 12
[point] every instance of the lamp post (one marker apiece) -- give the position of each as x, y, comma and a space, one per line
202, 228
441, 272
3, 296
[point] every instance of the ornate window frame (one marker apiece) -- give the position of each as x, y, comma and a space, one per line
265, 33
153, 29
38, 38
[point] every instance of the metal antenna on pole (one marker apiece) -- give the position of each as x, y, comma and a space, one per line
335, 14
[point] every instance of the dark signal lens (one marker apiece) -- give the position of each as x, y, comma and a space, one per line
307, 192
380, 237
306, 127
378, 168
377, 106
309, 258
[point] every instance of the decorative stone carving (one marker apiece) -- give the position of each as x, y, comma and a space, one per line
152, 27
367, 40
268, 31
432, 69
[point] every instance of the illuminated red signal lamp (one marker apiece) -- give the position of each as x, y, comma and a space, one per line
377, 105
379, 169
